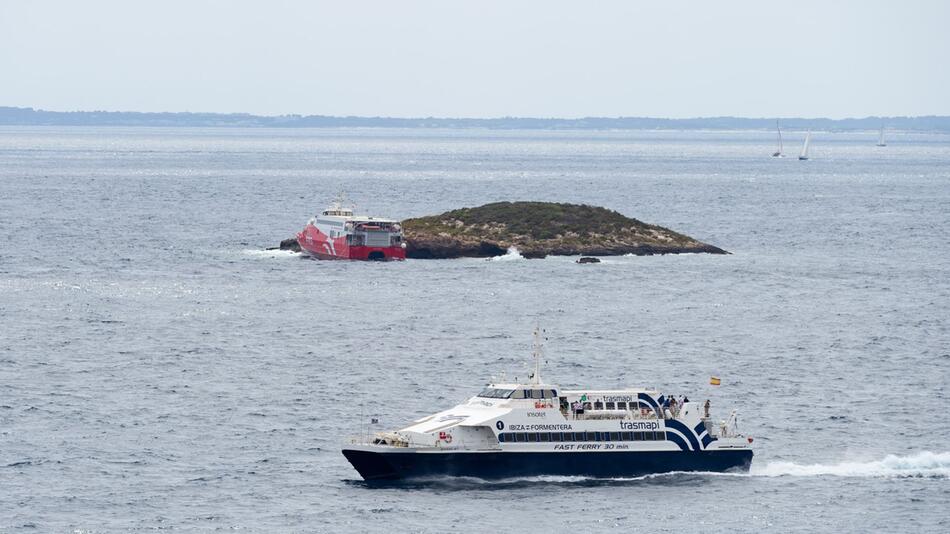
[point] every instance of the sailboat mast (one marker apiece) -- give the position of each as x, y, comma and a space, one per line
779, 130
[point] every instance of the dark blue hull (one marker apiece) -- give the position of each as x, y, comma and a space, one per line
376, 465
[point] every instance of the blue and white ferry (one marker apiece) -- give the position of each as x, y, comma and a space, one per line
535, 428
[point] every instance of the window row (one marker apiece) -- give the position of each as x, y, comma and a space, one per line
542, 437
495, 393
598, 405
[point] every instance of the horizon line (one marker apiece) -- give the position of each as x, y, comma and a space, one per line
28, 116
462, 117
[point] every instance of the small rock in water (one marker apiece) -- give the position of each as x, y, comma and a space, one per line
290, 244
587, 259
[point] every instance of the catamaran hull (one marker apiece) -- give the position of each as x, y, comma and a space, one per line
318, 245
359, 253
390, 465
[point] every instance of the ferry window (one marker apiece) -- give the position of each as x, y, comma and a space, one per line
649, 436
517, 394
621, 405
545, 436
569, 436
501, 438
536, 393
610, 406
597, 436
581, 436
495, 393
553, 393
556, 436
638, 436
615, 436
626, 436
519, 437
533, 437
598, 405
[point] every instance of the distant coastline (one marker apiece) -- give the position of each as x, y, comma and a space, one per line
14, 116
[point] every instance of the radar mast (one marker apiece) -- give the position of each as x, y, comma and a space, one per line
537, 352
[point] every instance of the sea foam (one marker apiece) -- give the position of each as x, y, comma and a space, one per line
920, 465
273, 253
512, 255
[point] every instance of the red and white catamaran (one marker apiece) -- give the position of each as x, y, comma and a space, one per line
337, 234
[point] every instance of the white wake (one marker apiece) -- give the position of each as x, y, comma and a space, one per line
920, 465
276, 253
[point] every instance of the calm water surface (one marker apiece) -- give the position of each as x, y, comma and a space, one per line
159, 370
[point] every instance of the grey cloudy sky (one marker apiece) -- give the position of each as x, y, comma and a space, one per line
480, 58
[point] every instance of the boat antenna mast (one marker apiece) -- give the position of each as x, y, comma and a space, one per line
537, 352
342, 202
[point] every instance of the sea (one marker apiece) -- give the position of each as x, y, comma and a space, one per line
161, 369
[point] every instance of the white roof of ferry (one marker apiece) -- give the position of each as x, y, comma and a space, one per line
608, 391
357, 218
573, 391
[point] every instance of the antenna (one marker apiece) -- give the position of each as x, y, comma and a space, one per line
537, 352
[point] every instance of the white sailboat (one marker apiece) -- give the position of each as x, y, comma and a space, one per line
880, 138
804, 154
778, 153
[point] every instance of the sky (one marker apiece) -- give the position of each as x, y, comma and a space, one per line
484, 58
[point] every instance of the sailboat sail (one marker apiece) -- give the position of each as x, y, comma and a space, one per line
778, 153
804, 154
880, 138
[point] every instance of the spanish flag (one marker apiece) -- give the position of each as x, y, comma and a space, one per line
714, 380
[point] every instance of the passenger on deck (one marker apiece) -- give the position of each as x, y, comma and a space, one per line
577, 408
706, 408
